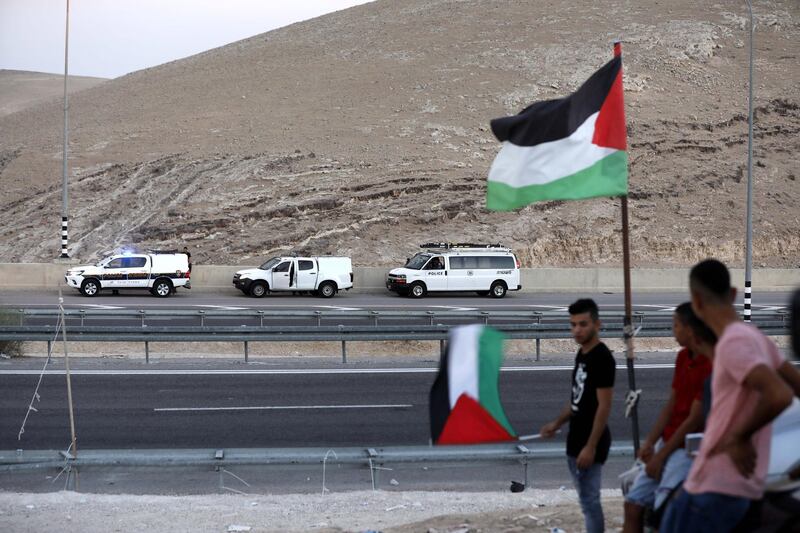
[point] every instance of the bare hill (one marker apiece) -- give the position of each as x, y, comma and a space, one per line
365, 132
21, 89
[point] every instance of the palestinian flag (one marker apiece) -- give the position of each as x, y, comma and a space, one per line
564, 149
465, 403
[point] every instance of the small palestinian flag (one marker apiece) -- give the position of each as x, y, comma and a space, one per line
465, 402
564, 149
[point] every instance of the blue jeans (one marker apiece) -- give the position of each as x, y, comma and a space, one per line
587, 482
708, 511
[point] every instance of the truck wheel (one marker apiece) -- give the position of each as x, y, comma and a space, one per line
90, 287
162, 288
418, 290
327, 289
498, 289
258, 289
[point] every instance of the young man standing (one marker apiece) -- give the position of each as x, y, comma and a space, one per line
589, 439
747, 394
666, 461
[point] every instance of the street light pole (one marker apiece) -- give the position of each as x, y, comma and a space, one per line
64, 182
748, 268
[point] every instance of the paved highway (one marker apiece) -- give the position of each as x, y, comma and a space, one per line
274, 408
233, 299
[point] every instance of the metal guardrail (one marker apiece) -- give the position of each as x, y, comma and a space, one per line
535, 326
374, 458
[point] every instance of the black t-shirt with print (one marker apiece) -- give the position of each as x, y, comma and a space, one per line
593, 370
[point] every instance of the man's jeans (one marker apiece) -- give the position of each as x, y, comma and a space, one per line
708, 511
587, 483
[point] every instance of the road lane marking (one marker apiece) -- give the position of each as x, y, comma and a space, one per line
338, 308
455, 308
282, 407
223, 307
98, 306
312, 371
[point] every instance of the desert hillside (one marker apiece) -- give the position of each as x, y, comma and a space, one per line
365, 132
21, 90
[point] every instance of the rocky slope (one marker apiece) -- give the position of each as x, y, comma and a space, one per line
365, 132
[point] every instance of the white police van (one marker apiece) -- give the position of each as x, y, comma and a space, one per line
453, 267
159, 272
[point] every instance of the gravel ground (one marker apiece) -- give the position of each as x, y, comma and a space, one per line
396, 512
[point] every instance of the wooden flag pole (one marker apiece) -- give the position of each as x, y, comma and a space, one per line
633, 394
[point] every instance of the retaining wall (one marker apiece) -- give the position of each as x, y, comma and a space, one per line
372, 279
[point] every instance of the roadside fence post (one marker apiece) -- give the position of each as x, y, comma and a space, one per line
431, 315
319, 317
245, 352
202, 318
261, 318
485, 315
344, 345
83, 315
538, 340
146, 351
142, 314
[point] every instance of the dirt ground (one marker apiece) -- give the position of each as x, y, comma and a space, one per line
388, 512
366, 132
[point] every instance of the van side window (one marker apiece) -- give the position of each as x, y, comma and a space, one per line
485, 262
437, 263
457, 263
470, 262
283, 267
305, 265
503, 262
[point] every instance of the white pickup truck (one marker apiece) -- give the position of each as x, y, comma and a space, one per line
159, 272
324, 276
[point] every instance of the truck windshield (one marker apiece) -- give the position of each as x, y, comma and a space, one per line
270, 263
418, 261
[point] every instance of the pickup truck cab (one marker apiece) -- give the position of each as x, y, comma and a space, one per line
323, 276
159, 272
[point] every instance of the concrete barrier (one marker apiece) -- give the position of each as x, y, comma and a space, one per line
372, 279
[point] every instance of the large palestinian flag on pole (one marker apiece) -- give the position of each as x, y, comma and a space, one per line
564, 149
465, 403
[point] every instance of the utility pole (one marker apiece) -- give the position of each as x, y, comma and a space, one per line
65, 182
748, 267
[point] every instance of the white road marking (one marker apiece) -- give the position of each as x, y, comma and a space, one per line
98, 306
336, 307
224, 307
311, 371
454, 308
769, 308
282, 407
549, 307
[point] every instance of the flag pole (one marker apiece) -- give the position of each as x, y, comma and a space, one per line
633, 395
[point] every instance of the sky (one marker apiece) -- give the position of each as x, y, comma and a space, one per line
109, 38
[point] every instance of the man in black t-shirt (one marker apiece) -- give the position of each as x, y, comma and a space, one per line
589, 439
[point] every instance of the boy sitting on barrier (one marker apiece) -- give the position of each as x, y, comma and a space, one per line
666, 462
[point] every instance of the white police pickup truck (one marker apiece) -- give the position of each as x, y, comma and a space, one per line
159, 272
323, 276
456, 267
